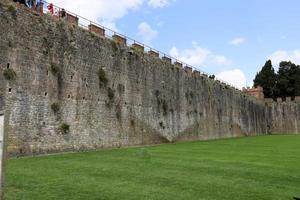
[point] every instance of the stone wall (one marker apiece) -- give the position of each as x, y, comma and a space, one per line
108, 94
285, 117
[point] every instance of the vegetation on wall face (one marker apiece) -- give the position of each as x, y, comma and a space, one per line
46, 46
114, 45
102, 78
64, 128
161, 103
55, 107
9, 74
13, 10
54, 69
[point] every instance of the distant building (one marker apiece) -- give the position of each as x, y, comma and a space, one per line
257, 92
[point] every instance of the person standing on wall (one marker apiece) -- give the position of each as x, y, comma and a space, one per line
51, 8
63, 13
39, 5
29, 3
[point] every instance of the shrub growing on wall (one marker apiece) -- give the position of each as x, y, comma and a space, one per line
102, 78
55, 107
9, 74
114, 45
64, 128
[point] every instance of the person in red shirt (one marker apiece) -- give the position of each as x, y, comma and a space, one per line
51, 8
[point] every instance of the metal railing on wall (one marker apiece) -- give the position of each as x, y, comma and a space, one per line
109, 33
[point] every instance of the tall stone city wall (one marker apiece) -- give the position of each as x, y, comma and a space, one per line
285, 117
110, 95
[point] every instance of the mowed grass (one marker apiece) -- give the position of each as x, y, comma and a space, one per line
252, 168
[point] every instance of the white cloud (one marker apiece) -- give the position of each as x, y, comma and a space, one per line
146, 32
103, 11
158, 3
236, 77
237, 41
199, 56
281, 55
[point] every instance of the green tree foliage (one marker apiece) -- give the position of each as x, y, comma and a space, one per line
266, 78
288, 83
284, 83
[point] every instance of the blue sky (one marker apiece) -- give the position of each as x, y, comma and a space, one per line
231, 38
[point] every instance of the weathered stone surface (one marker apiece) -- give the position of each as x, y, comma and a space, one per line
138, 100
285, 117
97, 30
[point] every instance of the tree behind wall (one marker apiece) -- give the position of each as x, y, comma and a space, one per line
288, 79
286, 83
266, 78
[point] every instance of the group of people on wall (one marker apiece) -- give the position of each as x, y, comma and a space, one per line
30, 3
37, 4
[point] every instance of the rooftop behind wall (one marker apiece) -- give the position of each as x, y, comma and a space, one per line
256, 92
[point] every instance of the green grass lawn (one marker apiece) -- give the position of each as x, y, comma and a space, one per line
243, 169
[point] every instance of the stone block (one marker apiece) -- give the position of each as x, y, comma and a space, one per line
189, 70
196, 73
269, 100
97, 30
72, 19
297, 99
119, 39
167, 59
279, 100
154, 53
178, 64
55, 18
138, 47
288, 99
